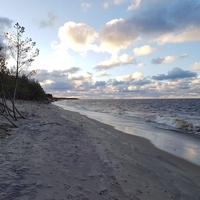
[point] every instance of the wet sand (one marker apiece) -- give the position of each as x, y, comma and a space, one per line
58, 154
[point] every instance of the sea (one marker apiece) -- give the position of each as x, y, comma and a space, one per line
172, 125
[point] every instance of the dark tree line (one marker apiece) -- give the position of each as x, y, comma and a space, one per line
28, 89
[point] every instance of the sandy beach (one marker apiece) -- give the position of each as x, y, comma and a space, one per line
57, 155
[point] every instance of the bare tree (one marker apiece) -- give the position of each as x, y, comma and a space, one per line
22, 52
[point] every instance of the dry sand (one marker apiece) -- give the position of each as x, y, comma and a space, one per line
58, 154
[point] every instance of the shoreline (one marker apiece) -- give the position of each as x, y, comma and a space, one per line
175, 142
60, 154
148, 145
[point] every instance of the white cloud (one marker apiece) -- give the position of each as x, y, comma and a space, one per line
124, 78
190, 34
80, 78
143, 50
129, 77
115, 61
168, 59
135, 4
196, 66
114, 35
140, 64
77, 36
137, 75
46, 82
132, 88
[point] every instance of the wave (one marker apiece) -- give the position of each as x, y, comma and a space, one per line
178, 124
139, 113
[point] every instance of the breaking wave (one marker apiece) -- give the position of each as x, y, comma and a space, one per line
178, 124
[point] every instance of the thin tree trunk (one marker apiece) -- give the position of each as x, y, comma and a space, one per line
17, 75
8, 119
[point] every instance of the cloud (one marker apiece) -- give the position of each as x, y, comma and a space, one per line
73, 70
116, 35
196, 66
58, 86
48, 22
175, 25
143, 50
102, 74
167, 18
130, 77
86, 6
163, 22
77, 36
175, 73
115, 61
99, 84
5, 22
140, 64
189, 34
76, 83
142, 82
135, 4
57, 81
168, 59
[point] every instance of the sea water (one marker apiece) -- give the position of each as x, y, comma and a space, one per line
172, 125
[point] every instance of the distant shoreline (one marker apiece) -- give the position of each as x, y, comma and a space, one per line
63, 98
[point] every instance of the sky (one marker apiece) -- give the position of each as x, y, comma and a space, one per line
112, 48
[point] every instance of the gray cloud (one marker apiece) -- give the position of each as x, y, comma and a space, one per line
85, 87
62, 83
5, 22
114, 82
58, 80
175, 73
142, 82
59, 86
163, 21
73, 70
48, 22
63, 80
167, 16
42, 75
100, 84
157, 61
